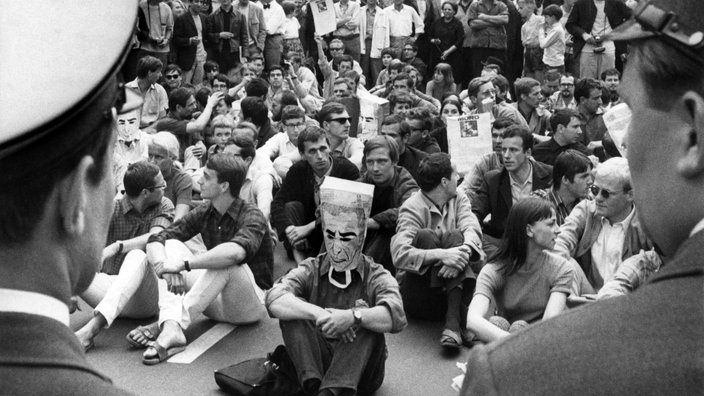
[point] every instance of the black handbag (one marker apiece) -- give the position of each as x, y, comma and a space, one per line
273, 375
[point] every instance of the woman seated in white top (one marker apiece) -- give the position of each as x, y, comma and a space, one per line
526, 282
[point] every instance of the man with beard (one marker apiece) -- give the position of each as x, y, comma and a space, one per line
564, 97
333, 309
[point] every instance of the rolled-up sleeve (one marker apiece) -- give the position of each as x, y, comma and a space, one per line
386, 292
253, 229
165, 216
184, 229
297, 282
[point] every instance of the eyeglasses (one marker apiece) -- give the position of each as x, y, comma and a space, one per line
604, 192
341, 120
408, 49
566, 85
219, 85
294, 126
172, 76
336, 49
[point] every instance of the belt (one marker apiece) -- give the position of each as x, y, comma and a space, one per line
349, 37
399, 37
273, 35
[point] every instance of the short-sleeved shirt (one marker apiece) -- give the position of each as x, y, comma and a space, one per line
492, 36
242, 223
524, 294
156, 102
128, 223
371, 286
179, 187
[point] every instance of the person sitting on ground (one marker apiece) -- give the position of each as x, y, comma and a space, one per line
182, 105
131, 145
571, 179
442, 81
156, 100
601, 233
282, 148
451, 107
399, 102
126, 286
227, 280
631, 274
520, 176
254, 110
404, 83
482, 96
488, 162
528, 98
387, 55
525, 281
392, 187
294, 209
437, 250
335, 120
567, 135
409, 158
333, 309
163, 152
420, 120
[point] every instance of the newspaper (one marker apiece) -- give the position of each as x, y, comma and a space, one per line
346, 193
323, 16
468, 139
372, 110
617, 120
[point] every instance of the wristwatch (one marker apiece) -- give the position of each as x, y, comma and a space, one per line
357, 314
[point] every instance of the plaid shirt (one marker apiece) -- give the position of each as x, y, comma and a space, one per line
561, 210
243, 224
127, 223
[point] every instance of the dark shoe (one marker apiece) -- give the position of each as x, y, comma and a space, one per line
450, 339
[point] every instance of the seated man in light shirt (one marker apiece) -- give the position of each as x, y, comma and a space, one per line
282, 149
601, 233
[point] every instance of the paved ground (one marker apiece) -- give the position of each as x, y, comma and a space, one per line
416, 363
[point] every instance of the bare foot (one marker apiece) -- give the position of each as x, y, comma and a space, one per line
141, 336
91, 329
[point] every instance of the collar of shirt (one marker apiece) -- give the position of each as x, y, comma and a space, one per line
33, 303
433, 206
529, 179
319, 179
623, 223
339, 151
555, 197
126, 204
325, 265
233, 210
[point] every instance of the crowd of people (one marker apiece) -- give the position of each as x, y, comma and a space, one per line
244, 111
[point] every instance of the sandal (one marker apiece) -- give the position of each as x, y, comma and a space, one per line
146, 332
161, 353
450, 339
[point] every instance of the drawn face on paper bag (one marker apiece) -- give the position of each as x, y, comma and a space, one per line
128, 125
344, 229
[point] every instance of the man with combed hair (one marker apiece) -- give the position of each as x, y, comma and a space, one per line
437, 250
334, 309
227, 280
156, 101
294, 210
56, 185
528, 98
481, 90
647, 342
126, 285
520, 176
335, 120
282, 148
395, 127
163, 152
227, 32
392, 187
567, 135
571, 179
600, 234
587, 94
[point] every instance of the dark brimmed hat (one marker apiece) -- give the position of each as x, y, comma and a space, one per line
678, 22
59, 71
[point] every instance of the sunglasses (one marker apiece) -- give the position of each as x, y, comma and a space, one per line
172, 76
341, 120
604, 193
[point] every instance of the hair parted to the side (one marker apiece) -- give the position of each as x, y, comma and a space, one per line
229, 168
432, 170
139, 176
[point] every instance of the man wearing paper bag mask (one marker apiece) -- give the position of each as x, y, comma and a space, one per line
334, 308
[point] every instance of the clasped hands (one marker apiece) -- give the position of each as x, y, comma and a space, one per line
170, 271
337, 323
454, 261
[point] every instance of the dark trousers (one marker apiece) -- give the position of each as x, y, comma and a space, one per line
371, 67
273, 46
297, 216
377, 245
227, 60
425, 296
358, 365
479, 55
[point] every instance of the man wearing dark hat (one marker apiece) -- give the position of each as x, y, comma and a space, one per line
56, 186
650, 341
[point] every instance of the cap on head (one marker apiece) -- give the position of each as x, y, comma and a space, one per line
78, 65
678, 22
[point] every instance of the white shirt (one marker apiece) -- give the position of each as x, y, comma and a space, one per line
33, 303
552, 41
521, 190
352, 11
608, 247
601, 28
274, 17
401, 22
529, 31
279, 145
290, 28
